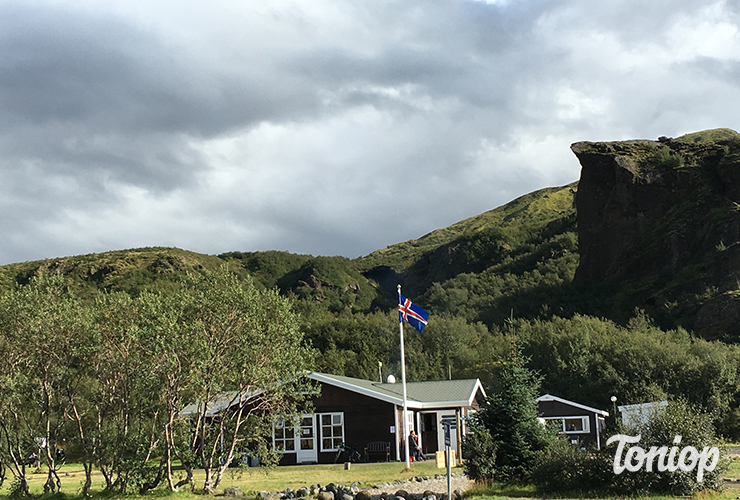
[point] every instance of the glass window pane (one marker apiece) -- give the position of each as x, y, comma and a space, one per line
573, 424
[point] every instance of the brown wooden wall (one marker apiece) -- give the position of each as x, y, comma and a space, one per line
558, 409
365, 419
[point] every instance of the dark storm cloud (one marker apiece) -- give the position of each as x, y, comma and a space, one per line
327, 127
87, 93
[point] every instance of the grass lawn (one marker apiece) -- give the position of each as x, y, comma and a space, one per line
528, 493
253, 480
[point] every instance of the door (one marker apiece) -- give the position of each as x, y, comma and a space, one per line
306, 451
441, 431
429, 432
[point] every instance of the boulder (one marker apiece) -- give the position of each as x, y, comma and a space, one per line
325, 495
363, 495
233, 491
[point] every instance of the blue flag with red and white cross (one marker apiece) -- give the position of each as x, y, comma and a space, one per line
411, 313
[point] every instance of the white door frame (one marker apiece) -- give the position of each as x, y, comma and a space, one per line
306, 442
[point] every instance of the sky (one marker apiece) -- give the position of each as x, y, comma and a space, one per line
328, 127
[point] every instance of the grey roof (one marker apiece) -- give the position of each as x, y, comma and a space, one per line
219, 402
431, 394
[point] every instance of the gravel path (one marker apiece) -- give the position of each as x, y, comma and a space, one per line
436, 484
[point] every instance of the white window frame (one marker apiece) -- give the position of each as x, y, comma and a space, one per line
585, 423
284, 424
331, 415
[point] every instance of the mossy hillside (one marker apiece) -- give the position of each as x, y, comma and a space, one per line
712, 135
334, 281
508, 222
517, 241
130, 271
266, 267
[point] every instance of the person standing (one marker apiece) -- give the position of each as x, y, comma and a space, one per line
414, 447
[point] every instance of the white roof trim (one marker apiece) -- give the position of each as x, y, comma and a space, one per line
327, 379
550, 397
388, 398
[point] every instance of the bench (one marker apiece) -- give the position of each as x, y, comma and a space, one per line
378, 447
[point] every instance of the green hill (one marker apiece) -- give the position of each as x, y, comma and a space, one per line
656, 236
514, 240
121, 270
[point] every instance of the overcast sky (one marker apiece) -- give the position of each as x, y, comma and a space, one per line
327, 127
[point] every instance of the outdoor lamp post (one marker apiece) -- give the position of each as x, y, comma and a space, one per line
614, 409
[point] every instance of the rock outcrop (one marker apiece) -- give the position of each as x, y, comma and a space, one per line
660, 221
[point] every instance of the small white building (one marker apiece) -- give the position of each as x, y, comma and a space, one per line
640, 414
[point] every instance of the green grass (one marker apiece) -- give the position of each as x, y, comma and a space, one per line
525, 492
253, 480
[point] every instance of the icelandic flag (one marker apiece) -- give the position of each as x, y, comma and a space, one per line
411, 313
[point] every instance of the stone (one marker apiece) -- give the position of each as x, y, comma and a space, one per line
233, 491
301, 492
403, 494
325, 495
363, 495
264, 494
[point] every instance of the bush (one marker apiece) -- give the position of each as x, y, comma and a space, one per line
508, 424
479, 451
564, 469
696, 429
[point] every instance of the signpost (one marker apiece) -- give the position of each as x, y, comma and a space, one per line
450, 423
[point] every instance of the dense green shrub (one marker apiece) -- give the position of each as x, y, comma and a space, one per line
565, 469
479, 451
510, 417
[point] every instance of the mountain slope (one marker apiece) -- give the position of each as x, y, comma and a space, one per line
512, 240
659, 222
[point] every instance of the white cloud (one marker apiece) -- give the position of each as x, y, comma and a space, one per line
309, 126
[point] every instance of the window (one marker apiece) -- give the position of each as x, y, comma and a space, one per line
570, 425
332, 431
283, 436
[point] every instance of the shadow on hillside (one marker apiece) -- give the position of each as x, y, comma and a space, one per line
544, 301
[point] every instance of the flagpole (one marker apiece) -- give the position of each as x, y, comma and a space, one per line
405, 399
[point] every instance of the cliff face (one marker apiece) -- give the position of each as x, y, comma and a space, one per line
659, 221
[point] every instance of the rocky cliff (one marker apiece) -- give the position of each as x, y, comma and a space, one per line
659, 223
